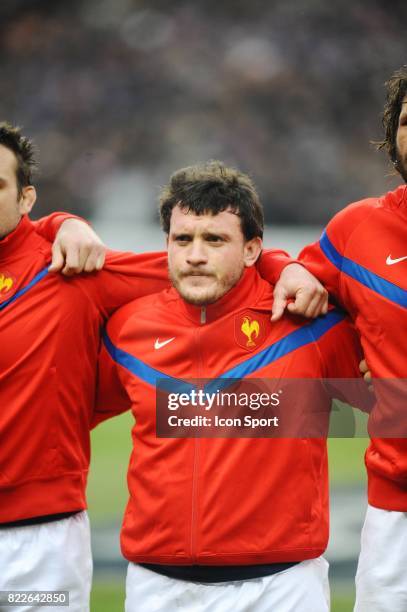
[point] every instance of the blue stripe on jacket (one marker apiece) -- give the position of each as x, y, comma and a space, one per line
361, 274
294, 340
24, 290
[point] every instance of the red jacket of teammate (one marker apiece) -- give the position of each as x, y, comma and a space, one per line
362, 260
50, 337
220, 501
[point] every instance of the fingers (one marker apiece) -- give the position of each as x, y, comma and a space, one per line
311, 298
310, 304
363, 366
58, 258
366, 373
100, 262
279, 305
94, 259
84, 258
77, 249
73, 264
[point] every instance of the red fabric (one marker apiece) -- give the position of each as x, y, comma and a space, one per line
218, 501
367, 232
48, 226
49, 343
271, 264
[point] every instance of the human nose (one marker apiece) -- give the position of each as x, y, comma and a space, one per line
196, 254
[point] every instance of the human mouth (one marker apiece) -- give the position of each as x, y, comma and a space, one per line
204, 274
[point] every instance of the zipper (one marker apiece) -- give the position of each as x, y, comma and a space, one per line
197, 447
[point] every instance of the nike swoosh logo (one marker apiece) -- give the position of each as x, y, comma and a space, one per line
158, 344
391, 262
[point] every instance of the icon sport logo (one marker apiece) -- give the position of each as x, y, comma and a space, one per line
390, 261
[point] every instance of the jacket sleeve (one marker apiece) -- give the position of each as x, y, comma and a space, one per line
111, 396
326, 257
48, 227
124, 278
272, 262
341, 353
319, 259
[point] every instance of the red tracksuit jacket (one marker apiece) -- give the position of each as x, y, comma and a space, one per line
362, 259
220, 501
50, 337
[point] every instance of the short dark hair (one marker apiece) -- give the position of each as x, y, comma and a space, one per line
396, 92
24, 151
212, 188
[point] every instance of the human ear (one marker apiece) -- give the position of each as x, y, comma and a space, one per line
27, 199
252, 250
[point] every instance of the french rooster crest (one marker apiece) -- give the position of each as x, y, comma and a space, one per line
250, 328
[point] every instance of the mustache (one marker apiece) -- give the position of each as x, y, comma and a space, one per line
187, 273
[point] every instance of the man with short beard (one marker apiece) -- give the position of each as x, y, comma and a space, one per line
49, 336
221, 524
362, 260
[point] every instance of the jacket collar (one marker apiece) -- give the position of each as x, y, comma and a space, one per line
403, 197
243, 295
13, 242
397, 199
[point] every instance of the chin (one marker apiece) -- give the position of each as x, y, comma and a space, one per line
195, 294
198, 298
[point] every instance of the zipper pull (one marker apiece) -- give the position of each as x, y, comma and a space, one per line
203, 315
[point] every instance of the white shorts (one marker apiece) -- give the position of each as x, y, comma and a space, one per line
53, 556
302, 588
381, 577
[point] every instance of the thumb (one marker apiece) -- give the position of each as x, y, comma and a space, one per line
58, 259
279, 304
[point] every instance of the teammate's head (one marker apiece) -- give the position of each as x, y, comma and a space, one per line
17, 195
395, 121
24, 152
213, 219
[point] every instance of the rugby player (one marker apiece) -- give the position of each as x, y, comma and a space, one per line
50, 335
362, 260
220, 524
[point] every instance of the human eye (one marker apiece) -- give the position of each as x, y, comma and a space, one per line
214, 239
182, 239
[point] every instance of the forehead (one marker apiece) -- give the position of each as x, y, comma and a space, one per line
8, 161
225, 222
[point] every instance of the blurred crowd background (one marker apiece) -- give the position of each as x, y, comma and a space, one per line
118, 94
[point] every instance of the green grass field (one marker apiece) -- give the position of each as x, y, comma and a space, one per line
107, 493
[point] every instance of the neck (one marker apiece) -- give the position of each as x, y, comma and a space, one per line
10, 230
12, 243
